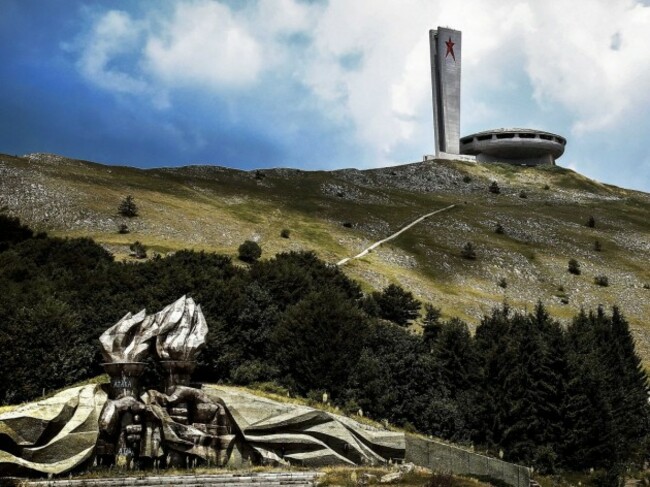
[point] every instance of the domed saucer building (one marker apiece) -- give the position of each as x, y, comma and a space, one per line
518, 146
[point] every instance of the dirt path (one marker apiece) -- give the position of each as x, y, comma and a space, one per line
377, 244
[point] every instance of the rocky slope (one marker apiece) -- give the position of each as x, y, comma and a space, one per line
543, 212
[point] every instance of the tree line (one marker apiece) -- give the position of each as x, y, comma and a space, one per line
542, 394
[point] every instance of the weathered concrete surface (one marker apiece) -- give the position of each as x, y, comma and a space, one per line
514, 146
450, 459
181, 330
445, 47
53, 435
60, 433
214, 480
128, 339
299, 434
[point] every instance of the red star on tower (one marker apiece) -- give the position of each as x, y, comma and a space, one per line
450, 49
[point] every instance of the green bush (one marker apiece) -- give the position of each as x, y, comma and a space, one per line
494, 188
468, 251
138, 250
249, 251
591, 222
499, 229
601, 280
285, 233
574, 267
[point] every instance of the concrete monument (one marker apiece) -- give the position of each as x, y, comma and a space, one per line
445, 47
514, 146
178, 425
118, 425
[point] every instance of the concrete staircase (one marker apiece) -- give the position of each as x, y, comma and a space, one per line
261, 479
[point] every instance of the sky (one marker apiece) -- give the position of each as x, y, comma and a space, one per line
319, 84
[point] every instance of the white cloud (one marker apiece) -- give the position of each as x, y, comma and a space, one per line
592, 59
587, 57
112, 35
203, 44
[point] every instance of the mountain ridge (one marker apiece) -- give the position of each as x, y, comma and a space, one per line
543, 211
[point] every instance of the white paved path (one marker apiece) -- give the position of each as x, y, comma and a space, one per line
377, 244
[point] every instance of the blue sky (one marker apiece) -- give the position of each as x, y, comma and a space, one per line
319, 84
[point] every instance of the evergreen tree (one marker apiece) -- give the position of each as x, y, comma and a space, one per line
455, 356
397, 305
607, 407
431, 324
523, 376
316, 342
127, 207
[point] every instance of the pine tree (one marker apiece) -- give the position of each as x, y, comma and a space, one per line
397, 305
431, 325
455, 355
127, 207
607, 409
523, 376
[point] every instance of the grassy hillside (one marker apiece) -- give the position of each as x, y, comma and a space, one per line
215, 208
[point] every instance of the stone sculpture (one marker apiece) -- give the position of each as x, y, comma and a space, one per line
179, 425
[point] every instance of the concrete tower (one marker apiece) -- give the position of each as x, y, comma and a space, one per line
445, 47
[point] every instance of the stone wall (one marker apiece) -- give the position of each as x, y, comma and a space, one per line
449, 459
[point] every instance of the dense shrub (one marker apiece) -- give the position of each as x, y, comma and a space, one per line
249, 251
12, 231
468, 252
574, 267
494, 188
601, 280
285, 233
138, 250
591, 222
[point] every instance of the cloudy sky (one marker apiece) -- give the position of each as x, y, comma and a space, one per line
319, 84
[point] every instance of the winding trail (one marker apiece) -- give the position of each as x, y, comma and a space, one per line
396, 234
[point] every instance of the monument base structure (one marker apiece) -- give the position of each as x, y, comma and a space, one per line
444, 156
116, 425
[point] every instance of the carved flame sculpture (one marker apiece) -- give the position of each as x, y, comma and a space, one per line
181, 331
127, 340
